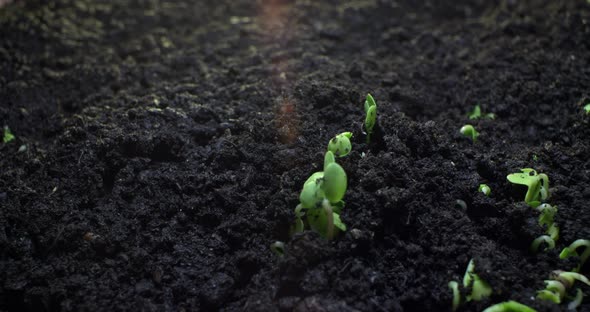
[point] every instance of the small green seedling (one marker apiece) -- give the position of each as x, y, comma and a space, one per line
454, 286
480, 289
546, 219
8, 136
321, 198
547, 215
556, 288
470, 132
278, 248
537, 184
477, 114
574, 304
509, 306
340, 144
571, 250
542, 239
587, 109
371, 116
485, 189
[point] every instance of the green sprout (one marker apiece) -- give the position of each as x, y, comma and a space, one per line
556, 288
573, 305
587, 109
470, 132
454, 286
542, 239
537, 184
480, 289
485, 189
571, 250
371, 116
8, 136
547, 215
477, 114
546, 220
340, 144
278, 248
509, 306
321, 198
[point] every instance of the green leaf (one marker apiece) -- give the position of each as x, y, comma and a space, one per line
467, 278
485, 189
567, 252
340, 144
8, 136
312, 194
335, 183
549, 296
370, 102
371, 119
476, 113
338, 223
470, 132
480, 290
337, 207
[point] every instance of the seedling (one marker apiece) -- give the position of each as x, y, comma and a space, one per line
547, 215
573, 305
537, 184
480, 289
587, 109
509, 306
572, 251
278, 248
454, 286
477, 114
470, 132
485, 189
321, 198
556, 288
371, 116
340, 144
542, 239
8, 136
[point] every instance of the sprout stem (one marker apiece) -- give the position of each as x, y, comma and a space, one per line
555, 286
543, 238
581, 243
577, 300
509, 306
330, 217
454, 286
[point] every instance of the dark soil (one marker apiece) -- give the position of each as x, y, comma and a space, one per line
167, 142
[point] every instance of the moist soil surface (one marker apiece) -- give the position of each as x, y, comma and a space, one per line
163, 146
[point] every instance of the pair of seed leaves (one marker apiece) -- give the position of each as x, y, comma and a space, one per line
323, 188
537, 184
371, 115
